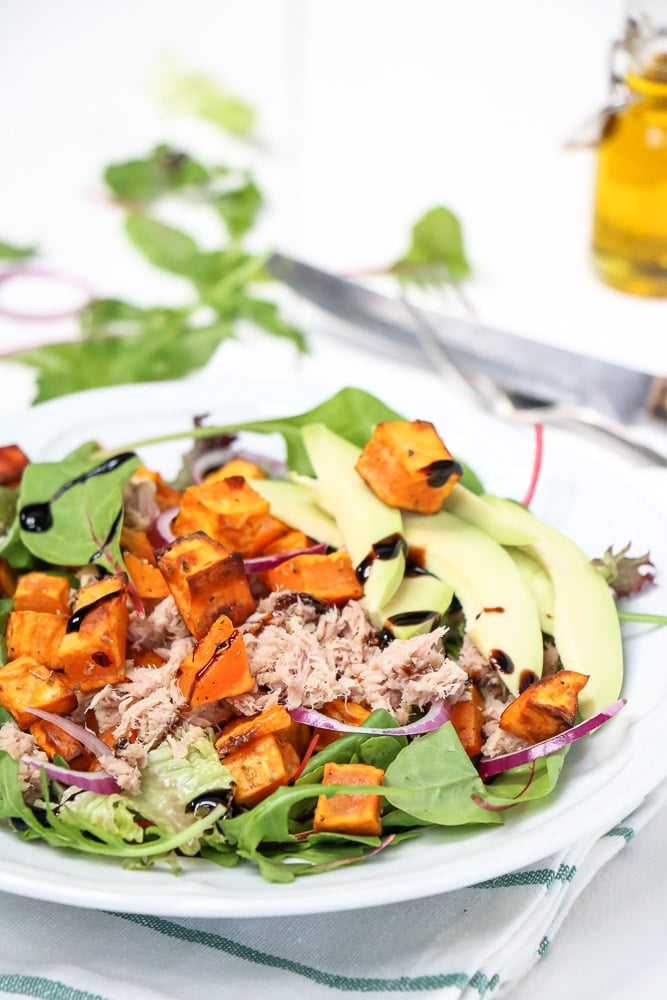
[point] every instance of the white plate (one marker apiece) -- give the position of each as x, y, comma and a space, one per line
581, 491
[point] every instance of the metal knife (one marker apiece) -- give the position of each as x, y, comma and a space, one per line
537, 371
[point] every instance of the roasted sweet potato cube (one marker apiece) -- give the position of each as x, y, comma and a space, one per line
269, 530
26, 683
42, 592
7, 579
545, 708
228, 510
37, 634
236, 467
407, 465
13, 461
53, 740
93, 649
291, 540
343, 813
274, 720
468, 719
206, 581
348, 712
260, 767
217, 667
138, 543
329, 578
147, 578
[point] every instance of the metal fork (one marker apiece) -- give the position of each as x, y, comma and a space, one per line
483, 392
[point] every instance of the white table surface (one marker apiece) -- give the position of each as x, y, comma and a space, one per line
370, 113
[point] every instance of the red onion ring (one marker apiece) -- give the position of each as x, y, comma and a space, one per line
260, 564
64, 279
80, 733
496, 765
437, 715
88, 781
160, 531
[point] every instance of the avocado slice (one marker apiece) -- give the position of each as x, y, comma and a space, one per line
416, 607
586, 627
372, 531
491, 520
540, 584
501, 615
296, 506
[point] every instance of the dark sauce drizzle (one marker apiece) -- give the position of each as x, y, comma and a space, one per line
527, 678
440, 472
76, 620
218, 651
501, 661
107, 541
38, 517
386, 548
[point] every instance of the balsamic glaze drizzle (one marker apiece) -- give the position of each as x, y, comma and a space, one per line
439, 472
38, 517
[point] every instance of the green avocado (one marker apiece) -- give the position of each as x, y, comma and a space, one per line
296, 506
586, 627
540, 584
492, 520
416, 607
372, 531
502, 619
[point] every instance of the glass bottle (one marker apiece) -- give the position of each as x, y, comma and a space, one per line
630, 207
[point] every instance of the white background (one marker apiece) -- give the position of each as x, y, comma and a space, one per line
370, 112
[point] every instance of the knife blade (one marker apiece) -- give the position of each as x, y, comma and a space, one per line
532, 369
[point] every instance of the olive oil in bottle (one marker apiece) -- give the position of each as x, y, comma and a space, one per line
630, 210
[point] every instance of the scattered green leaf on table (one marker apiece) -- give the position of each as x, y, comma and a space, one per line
9, 251
436, 254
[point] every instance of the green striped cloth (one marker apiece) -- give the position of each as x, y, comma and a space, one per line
468, 944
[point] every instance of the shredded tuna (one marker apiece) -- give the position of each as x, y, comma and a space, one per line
158, 630
304, 655
17, 744
139, 504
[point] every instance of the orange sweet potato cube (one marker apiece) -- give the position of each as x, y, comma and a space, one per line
42, 592
137, 542
468, 719
274, 720
407, 465
13, 461
328, 578
217, 667
26, 683
545, 708
228, 510
343, 813
93, 649
291, 540
260, 767
53, 740
236, 467
206, 581
348, 712
146, 577
37, 634
7, 579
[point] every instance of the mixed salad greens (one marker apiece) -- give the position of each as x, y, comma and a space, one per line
473, 601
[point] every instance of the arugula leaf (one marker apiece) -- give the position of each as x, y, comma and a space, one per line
168, 248
185, 92
436, 253
239, 206
9, 251
86, 511
164, 170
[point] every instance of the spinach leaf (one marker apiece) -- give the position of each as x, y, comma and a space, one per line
85, 506
9, 251
441, 779
436, 254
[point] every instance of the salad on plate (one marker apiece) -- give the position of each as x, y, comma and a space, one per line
294, 664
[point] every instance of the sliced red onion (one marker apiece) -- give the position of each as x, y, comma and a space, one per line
43, 273
437, 715
161, 532
80, 733
261, 564
89, 781
496, 765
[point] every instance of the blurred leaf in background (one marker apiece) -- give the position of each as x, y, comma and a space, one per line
183, 91
10, 252
436, 254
